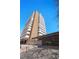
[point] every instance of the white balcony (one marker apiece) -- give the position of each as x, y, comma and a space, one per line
28, 32
29, 29
27, 36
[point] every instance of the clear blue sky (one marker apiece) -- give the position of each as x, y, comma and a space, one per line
48, 8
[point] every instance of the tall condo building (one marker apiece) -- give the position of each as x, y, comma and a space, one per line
33, 28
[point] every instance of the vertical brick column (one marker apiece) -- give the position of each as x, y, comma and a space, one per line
34, 30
